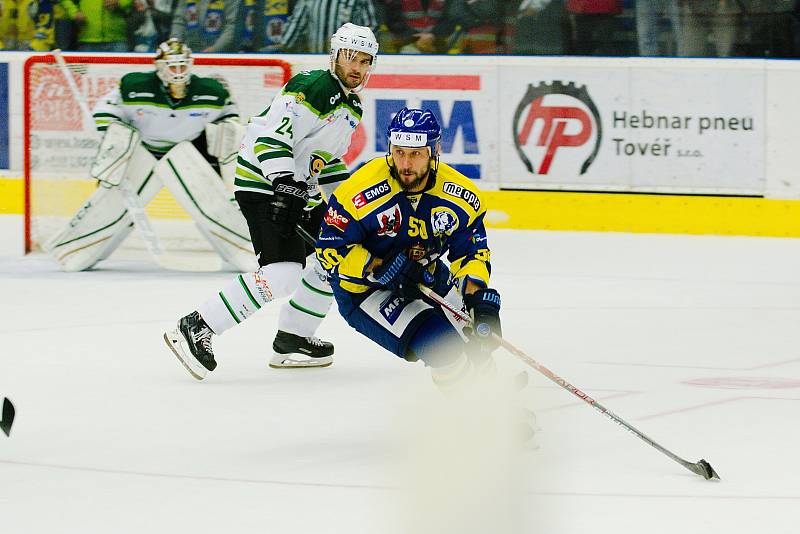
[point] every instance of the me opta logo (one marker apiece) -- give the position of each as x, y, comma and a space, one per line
559, 116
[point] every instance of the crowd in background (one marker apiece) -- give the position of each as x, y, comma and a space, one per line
686, 28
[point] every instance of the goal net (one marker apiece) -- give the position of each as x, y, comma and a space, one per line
61, 143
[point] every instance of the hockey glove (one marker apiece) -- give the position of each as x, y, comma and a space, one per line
400, 275
484, 307
286, 206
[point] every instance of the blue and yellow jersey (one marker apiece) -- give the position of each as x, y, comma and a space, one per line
369, 216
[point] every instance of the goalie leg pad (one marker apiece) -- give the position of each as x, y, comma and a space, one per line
200, 191
102, 223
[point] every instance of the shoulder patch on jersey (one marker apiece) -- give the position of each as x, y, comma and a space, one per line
337, 220
140, 94
319, 90
371, 194
195, 98
443, 221
389, 221
459, 191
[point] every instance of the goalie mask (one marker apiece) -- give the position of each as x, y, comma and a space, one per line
173, 65
351, 39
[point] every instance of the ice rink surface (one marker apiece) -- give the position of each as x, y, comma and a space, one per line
693, 340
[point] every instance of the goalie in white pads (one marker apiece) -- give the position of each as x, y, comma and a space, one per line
165, 127
288, 153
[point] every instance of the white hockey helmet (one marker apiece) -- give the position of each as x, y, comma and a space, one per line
173, 65
353, 38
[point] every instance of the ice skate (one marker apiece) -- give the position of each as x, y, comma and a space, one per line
293, 351
191, 343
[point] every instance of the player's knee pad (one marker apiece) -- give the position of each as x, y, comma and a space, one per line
278, 279
436, 343
247, 293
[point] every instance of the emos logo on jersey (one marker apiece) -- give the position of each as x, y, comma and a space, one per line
389, 221
373, 193
561, 117
333, 218
443, 221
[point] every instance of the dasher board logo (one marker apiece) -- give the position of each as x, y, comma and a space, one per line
557, 128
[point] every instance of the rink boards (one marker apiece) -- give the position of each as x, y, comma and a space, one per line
605, 144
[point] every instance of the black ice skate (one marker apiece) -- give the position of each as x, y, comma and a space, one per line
191, 343
293, 351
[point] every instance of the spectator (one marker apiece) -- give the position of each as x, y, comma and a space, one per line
480, 26
768, 28
420, 26
102, 25
313, 22
594, 23
707, 27
542, 28
8, 25
207, 25
150, 23
261, 25
648, 19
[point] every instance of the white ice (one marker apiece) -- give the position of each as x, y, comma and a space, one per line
693, 340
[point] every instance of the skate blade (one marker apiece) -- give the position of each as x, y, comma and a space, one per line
173, 342
280, 361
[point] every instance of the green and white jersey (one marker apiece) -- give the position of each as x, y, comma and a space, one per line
305, 131
142, 101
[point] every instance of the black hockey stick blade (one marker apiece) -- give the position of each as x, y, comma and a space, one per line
8, 417
704, 469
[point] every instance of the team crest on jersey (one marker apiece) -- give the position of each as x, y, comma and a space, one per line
317, 161
416, 252
389, 221
373, 193
333, 218
299, 98
443, 221
455, 190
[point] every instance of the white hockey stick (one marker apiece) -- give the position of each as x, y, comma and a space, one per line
701, 467
134, 206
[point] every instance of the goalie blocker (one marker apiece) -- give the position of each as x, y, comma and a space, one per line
102, 223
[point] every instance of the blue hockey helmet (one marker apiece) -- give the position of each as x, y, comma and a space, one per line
414, 128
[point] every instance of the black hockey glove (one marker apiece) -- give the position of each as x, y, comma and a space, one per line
286, 206
484, 307
400, 275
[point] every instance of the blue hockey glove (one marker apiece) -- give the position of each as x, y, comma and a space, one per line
484, 307
288, 201
400, 275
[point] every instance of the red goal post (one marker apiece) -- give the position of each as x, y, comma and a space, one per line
60, 142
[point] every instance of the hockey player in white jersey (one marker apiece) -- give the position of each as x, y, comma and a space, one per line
166, 127
289, 152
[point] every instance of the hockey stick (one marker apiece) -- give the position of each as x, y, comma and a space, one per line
701, 467
131, 200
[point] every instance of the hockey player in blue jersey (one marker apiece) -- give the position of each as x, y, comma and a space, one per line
389, 228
